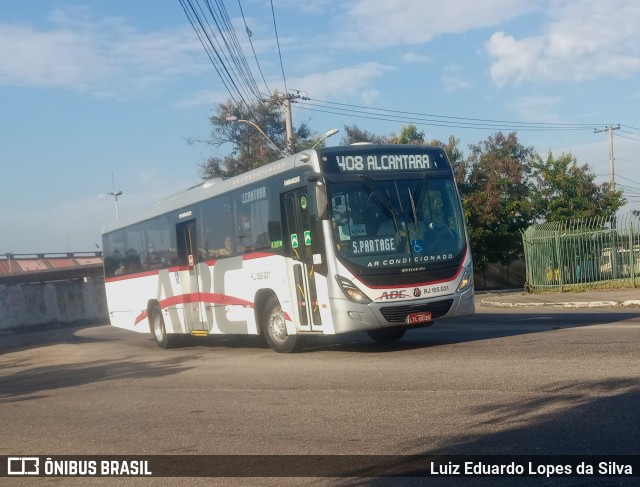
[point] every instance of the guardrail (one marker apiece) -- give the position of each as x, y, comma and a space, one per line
16, 268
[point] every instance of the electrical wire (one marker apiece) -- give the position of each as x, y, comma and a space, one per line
228, 35
626, 137
430, 119
630, 180
223, 50
255, 56
198, 27
426, 119
284, 79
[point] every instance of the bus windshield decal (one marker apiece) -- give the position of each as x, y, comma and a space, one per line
404, 261
373, 245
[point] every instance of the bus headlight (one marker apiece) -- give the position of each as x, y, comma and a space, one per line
351, 291
467, 279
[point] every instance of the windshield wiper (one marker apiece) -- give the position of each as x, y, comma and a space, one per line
415, 213
369, 184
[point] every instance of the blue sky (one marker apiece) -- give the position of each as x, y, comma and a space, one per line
102, 89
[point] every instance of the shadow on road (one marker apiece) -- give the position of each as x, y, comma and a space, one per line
608, 424
28, 384
485, 326
19, 339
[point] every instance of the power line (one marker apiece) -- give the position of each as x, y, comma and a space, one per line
255, 56
230, 39
630, 180
196, 21
453, 119
626, 137
273, 14
223, 50
432, 120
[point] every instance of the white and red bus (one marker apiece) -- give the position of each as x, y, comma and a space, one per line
356, 238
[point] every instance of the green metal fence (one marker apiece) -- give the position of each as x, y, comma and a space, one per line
591, 252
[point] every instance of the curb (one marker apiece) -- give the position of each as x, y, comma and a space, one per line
567, 304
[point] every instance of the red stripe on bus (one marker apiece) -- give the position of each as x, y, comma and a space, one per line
214, 298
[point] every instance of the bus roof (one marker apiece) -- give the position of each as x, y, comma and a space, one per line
214, 187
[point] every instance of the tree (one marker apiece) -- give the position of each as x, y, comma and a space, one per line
566, 190
251, 148
456, 157
409, 135
498, 203
353, 135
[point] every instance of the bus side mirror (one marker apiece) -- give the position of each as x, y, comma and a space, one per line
320, 189
322, 201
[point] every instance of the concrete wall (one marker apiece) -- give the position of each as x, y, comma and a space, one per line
52, 302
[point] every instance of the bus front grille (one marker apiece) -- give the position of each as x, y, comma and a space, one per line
398, 314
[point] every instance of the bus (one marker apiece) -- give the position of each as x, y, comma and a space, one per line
327, 241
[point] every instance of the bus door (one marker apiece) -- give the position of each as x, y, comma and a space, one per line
188, 274
297, 245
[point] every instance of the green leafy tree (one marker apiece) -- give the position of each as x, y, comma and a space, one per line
409, 135
456, 157
353, 135
565, 190
251, 148
498, 202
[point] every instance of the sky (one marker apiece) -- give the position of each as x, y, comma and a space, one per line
109, 95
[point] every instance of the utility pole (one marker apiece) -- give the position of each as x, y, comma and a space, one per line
610, 129
285, 100
288, 123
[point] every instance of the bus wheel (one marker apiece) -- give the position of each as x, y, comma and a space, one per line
159, 331
387, 335
275, 329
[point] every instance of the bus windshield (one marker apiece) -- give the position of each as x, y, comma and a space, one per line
406, 222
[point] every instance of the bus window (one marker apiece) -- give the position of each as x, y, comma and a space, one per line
216, 227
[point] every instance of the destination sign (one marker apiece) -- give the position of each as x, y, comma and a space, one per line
383, 159
383, 162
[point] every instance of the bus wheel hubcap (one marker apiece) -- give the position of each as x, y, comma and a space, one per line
277, 328
157, 328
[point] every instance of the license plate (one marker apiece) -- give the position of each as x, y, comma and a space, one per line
417, 318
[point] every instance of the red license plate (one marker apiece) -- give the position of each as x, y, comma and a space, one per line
417, 318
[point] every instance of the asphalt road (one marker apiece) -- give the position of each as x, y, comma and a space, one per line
501, 382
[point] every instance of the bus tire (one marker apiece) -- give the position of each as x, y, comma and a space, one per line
159, 330
386, 335
275, 329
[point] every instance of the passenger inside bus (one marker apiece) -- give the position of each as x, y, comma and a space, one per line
112, 263
438, 236
155, 261
132, 261
225, 251
245, 236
